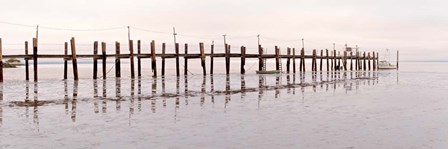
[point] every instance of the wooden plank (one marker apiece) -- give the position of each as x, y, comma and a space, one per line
302, 60
35, 59
369, 59
95, 60
335, 60
321, 59
374, 61
74, 61
131, 58
104, 59
117, 60
27, 70
153, 58
351, 61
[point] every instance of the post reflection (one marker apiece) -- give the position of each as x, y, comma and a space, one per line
1, 104
74, 100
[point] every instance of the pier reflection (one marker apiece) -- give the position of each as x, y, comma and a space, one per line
195, 90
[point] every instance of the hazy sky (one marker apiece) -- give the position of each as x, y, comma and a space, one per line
416, 28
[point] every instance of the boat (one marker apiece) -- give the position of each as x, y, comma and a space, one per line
386, 65
268, 72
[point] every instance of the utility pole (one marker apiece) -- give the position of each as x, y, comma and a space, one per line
129, 33
174, 34
303, 43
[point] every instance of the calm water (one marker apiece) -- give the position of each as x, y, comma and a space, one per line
385, 109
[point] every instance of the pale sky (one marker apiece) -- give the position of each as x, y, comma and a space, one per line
419, 29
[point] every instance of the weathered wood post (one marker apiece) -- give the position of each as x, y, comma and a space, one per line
339, 60
302, 61
313, 61
117, 60
163, 58
357, 61
294, 60
212, 50
277, 58
227, 59
153, 58
27, 70
95, 60
201, 50
1, 64
176, 48
351, 61
243, 59
364, 61
374, 61
326, 57
139, 61
335, 60
104, 59
369, 59
332, 61
74, 60
35, 59
321, 59
345, 60
288, 60
186, 60
131, 58
260, 58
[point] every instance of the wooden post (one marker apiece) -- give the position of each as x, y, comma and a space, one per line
345, 61
288, 60
163, 58
277, 58
74, 61
335, 60
357, 60
321, 59
243, 59
212, 47
1, 66
117, 60
364, 61
294, 60
260, 58
313, 61
201, 50
35, 59
398, 54
351, 61
153, 58
103, 50
374, 61
27, 70
326, 56
227, 59
302, 60
95, 60
131, 58
186, 60
368, 59
339, 60
139, 61
332, 61
177, 58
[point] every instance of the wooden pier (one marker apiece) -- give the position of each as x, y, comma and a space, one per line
334, 61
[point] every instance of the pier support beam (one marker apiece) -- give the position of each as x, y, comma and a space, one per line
202, 52
74, 60
243, 59
131, 58
103, 51
163, 58
35, 58
153, 58
186, 60
95, 60
139, 61
117, 60
212, 48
